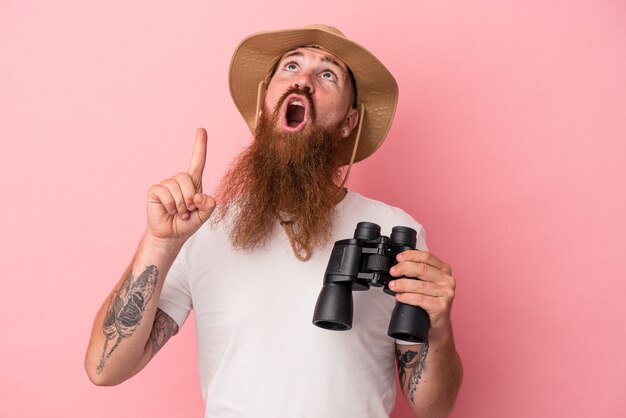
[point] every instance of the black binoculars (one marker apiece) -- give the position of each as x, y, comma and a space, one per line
361, 262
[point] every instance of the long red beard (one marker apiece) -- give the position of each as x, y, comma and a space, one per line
288, 178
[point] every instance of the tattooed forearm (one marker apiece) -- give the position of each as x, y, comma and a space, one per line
164, 327
411, 365
126, 310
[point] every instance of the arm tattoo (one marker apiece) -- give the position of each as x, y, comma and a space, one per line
164, 327
126, 309
411, 362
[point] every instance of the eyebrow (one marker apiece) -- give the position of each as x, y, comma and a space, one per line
326, 58
291, 54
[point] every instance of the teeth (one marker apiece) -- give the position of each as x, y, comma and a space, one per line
296, 103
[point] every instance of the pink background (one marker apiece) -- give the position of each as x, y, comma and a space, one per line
508, 145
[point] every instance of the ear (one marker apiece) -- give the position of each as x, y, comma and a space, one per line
351, 120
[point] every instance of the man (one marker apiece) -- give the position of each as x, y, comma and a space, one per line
316, 102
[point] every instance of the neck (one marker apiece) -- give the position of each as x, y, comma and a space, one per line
341, 194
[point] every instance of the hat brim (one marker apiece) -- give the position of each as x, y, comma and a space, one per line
377, 89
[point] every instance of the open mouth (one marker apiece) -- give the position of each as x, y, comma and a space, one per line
295, 113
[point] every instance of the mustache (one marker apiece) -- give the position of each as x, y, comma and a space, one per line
302, 91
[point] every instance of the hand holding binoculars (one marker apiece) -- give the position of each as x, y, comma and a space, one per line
361, 262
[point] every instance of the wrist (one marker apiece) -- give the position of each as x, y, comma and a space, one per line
162, 246
441, 335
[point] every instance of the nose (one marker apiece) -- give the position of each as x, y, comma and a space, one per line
305, 80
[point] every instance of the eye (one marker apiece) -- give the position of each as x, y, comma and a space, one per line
329, 75
291, 66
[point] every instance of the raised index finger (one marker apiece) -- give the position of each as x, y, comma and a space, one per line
198, 158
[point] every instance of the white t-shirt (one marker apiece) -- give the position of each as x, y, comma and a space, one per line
259, 353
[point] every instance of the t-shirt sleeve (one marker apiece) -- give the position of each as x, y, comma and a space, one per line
176, 297
421, 240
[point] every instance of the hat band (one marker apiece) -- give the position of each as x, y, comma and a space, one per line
356, 144
260, 98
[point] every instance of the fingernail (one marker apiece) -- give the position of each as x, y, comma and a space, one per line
392, 284
185, 216
399, 257
192, 208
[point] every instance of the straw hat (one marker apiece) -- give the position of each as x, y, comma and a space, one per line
377, 90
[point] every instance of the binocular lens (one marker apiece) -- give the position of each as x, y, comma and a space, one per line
333, 309
409, 323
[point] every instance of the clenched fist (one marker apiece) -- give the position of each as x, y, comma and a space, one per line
176, 206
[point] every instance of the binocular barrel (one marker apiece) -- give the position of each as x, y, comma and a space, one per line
357, 263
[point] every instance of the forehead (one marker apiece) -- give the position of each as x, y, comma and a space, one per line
313, 53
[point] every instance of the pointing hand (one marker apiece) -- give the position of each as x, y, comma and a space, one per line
176, 206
